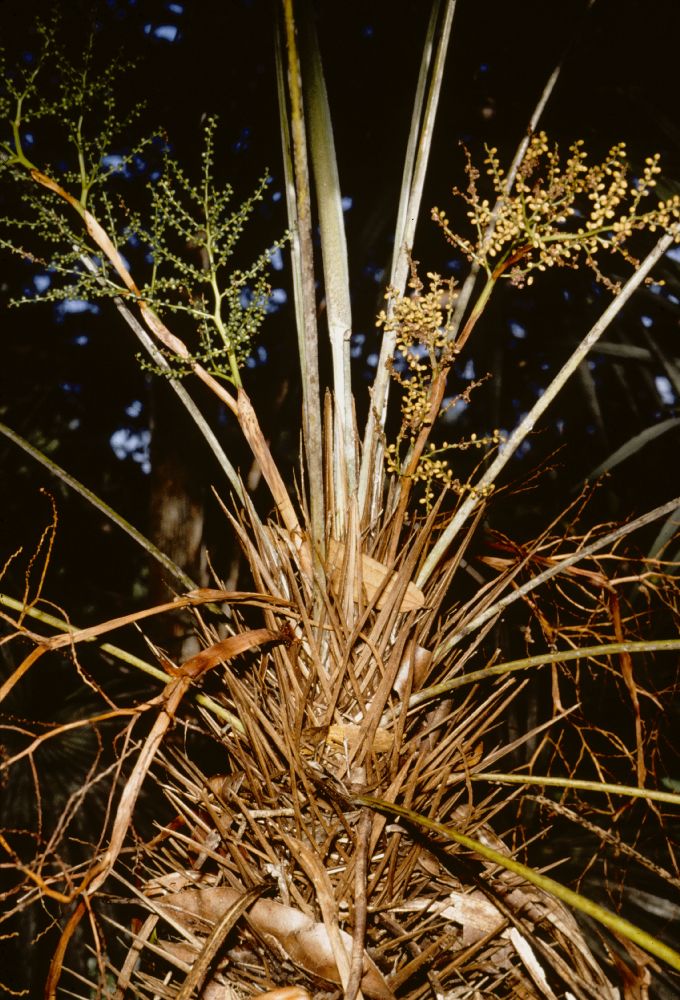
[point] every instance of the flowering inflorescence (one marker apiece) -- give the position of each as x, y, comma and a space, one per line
183, 257
558, 214
49, 95
422, 323
434, 469
193, 235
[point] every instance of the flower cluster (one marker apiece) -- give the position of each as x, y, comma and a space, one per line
558, 214
193, 235
182, 250
434, 468
422, 324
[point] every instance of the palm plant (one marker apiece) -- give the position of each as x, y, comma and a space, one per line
342, 838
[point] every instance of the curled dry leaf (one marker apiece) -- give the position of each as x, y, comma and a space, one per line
285, 993
337, 742
288, 931
349, 735
373, 574
228, 648
414, 665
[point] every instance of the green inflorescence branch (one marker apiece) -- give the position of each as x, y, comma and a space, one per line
183, 259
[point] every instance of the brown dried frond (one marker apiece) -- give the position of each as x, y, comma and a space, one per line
322, 722
322, 705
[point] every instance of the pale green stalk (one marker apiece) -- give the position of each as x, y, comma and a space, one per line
602, 787
335, 270
297, 181
540, 406
541, 660
548, 885
413, 180
291, 208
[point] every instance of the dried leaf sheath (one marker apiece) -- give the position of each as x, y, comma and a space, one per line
283, 811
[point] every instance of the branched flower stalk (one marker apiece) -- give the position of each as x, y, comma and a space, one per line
187, 220
558, 215
554, 215
225, 332
421, 325
228, 307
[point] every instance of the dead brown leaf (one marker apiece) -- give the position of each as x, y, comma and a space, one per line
289, 932
373, 574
